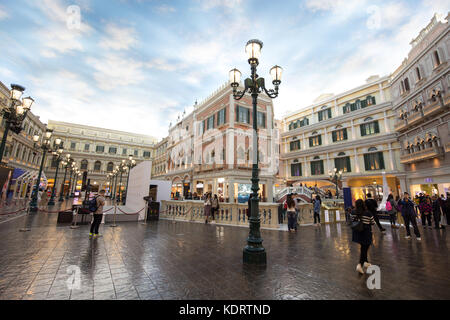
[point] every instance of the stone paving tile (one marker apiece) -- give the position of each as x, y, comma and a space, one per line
194, 261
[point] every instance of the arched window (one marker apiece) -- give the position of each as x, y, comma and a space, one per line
240, 153
316, 158
340, 154
84, 164
437, 60
407, 88
97, 165
110, 167
372, 149
368, 119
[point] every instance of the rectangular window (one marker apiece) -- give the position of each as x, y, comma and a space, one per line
210, 123
295, 145
315, 141
343, 164
296, 170
112, 150
221, 117
324, 114
242, 115
201, 128
369, 128
374, 161
317, 167
86, 147
73, 145
124, 151
100, 148
261, 119
136, 153
146, 154
339, 135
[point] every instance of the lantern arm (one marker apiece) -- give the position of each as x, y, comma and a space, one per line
237, 94
272, 93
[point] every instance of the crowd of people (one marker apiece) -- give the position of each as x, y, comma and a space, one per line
404, 210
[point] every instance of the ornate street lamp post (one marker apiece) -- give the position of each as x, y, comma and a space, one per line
14, 114
66, 164
58, 159
254, 252
130, 164
335, 177
115, 173
72, 168
45, 148
122, 169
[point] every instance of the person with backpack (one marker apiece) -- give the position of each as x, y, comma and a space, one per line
409, 216
214, 207
436, 205
391, 208
362, 221
292, 214
372, 206
96, 207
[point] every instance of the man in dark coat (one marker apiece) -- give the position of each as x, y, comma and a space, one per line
372, 206
409, 215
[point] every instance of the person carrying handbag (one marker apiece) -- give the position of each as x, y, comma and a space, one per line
214, 207
362, 221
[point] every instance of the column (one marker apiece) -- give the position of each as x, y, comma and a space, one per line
356, 160
386, 123
336, 109
353, 130
230, 149
231, 188
380, 88
391, 158
325, 136
306, 168
269, 188
403, 185
328, 164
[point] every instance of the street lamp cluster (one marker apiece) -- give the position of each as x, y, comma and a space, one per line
14, 114
335, 177
125, 165
254, 252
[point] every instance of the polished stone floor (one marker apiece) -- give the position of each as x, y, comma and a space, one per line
165, 260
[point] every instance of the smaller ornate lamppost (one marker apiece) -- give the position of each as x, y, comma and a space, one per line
14, 114
58, 158
45, 146
131, 163
115, 174
335, 177
122, 168
66, 163
72, 169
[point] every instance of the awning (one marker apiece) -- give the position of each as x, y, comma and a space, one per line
27, 175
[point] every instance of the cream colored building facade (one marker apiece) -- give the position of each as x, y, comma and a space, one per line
351, 131
97, 151
421, 101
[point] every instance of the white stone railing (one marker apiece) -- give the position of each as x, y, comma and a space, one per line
229, 213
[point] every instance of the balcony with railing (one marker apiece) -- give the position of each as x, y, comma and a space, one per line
422, 155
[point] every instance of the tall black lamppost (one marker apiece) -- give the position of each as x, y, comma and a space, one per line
335, 177
45, 146
130, 164
58, 158
72, 170
115, 174
14, 114
122, 168
254, 251
66, 164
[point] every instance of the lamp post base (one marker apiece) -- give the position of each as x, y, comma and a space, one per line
51, 202
256, 257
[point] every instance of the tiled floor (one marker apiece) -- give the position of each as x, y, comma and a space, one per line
165, 260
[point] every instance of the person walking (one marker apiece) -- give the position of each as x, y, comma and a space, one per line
446, 209
291, 213
98, 214
436, 206
363, 236
43, 198
391, 208
372, 206
401, 223
426, 210
317, 204
207, 204
214, 207
409, 216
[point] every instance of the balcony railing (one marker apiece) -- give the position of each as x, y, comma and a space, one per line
418, 116
421, 155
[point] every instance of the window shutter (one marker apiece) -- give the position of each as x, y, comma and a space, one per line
329, 113
381, 159
363, 131
224, 115
320, 116
312, 168
345, 133
310, 142
248, 116
377, 127
333, 134
373, 100
349, 169
204, 125
321, 167
320, 140
237, 113
264, 120
292, 170
366, 162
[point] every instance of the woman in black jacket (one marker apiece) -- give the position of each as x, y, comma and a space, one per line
364, 237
